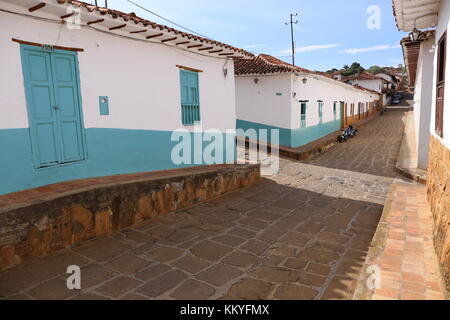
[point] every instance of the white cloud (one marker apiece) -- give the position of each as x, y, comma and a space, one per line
311, 48
317, 47
381, 47
253, 46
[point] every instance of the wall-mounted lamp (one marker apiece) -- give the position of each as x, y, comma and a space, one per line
294, 95
415, 35
304, 80
225, 72
256, 80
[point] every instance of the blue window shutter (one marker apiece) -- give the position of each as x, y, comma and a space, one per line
184, 79
190, 108
303, 115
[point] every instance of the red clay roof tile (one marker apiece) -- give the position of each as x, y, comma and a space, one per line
133, 17
266, 64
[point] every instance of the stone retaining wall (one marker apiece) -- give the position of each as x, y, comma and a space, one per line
439, 197
38, 229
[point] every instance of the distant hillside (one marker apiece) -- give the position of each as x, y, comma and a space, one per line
356, 68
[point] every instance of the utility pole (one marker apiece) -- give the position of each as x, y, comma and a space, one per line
292, 22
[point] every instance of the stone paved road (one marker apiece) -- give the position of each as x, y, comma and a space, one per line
301, 234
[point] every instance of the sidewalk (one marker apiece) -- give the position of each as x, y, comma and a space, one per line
403, 249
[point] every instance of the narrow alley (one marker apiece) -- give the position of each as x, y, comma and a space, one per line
301, 234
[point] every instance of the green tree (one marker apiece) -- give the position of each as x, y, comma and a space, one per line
376, 69
332, 70
355, 68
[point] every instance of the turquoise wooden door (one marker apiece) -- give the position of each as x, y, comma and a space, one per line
54, 106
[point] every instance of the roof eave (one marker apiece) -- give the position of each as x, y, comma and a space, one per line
132, 26
421, 14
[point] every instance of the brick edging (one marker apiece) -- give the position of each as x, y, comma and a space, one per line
376, 248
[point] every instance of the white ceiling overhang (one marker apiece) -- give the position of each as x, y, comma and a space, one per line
421, 14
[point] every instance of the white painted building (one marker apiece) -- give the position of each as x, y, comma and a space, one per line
303, 105
371, 82
419, 59
414, 16
388, 77
103, 96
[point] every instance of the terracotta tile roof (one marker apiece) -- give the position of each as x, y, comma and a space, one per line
132, 17
411, 54
368, 90
363, 76
266, 64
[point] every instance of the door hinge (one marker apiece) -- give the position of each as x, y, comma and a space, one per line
47, 47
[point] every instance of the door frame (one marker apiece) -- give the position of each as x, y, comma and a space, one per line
25, 67
440, 84
343, 113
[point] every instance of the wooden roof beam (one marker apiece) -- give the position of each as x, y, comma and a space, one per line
168, 39
182, 42
206, 48
195, 46
155, 35
37, 7
95, 21
118, 27
139, 31
216, 51
67, 15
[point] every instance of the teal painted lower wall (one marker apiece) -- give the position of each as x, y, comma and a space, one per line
300, 137
110, 152
284, 134
293, 138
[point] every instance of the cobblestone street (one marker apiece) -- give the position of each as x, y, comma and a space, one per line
301, 234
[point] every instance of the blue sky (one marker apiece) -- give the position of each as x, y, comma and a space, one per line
330, 33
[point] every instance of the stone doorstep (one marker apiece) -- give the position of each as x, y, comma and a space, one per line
313, 148
31, 230
415, 174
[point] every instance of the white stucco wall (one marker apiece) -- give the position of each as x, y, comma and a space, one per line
327, 90
376, 85
443, 25
385, 76
422, 101
259, 102
140, 78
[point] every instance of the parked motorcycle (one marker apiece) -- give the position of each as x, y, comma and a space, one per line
348, 133
352, 131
